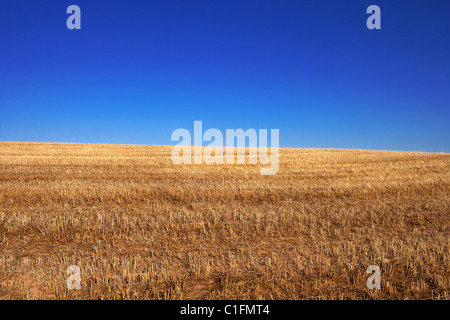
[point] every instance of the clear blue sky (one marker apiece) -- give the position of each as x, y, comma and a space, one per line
137, 70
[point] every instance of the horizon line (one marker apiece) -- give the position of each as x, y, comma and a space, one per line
163, 145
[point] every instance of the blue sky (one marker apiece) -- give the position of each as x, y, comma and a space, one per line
137, 70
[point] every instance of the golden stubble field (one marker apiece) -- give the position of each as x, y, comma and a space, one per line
140, 227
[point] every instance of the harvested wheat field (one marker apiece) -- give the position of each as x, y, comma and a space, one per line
140, 227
